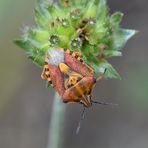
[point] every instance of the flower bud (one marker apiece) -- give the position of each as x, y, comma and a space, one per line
54, 39
76, 43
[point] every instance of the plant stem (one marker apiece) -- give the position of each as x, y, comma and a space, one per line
56, 125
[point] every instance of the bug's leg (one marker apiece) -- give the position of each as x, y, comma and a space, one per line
81, 119
99, 78
45, 68
45, 74
103, 103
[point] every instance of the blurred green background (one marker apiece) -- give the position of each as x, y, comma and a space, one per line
25, 103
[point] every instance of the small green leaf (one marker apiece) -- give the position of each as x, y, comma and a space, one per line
102, 10
55, 10
110, 72
75, 3
37, 38
39, 35
37, 56
97, 35
23, 44
32, 52
42, 17
91, 10
121, 36
116, 18
112, 53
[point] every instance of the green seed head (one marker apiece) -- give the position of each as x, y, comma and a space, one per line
80, 25
54, 40
76, 43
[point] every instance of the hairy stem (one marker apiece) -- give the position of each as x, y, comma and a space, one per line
56, 124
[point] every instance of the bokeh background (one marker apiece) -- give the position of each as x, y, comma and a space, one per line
25, 103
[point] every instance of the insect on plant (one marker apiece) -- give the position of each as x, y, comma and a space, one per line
73, 79
72, 43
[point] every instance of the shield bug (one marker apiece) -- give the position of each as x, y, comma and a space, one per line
73, 79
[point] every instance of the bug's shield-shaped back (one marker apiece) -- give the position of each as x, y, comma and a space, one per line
71, 77
77, 87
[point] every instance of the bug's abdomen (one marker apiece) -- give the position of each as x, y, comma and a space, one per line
83, 87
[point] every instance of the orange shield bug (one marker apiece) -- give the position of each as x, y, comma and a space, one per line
73, 79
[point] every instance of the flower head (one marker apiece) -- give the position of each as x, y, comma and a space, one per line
80, 25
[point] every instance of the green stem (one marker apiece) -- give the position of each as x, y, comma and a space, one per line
56, 124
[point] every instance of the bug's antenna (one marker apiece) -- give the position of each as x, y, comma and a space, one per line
103, 103
81, 119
